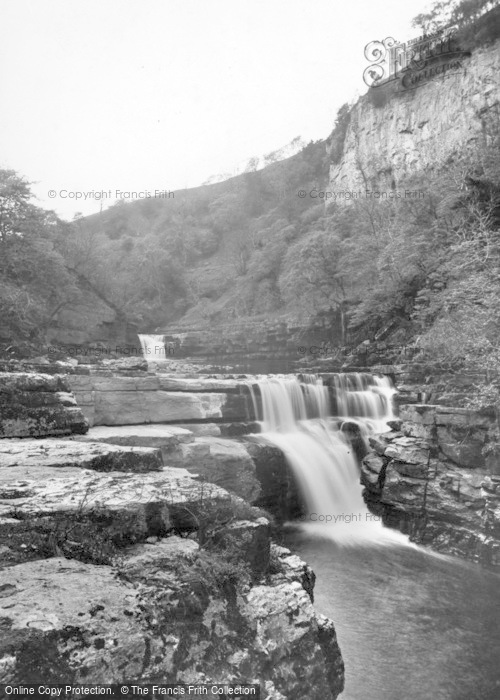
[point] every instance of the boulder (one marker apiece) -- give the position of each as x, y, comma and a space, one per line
278, 489
226, 463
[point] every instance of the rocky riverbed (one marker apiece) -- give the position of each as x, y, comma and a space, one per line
118, 564
133, 540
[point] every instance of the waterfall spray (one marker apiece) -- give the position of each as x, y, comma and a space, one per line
297, 418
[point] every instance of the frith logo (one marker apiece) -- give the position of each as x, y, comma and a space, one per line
409, 62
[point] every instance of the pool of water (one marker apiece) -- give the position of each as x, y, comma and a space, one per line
412, 625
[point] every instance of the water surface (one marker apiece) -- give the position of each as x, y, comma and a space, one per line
411, 625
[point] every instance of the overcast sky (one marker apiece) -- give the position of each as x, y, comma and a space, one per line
141, 95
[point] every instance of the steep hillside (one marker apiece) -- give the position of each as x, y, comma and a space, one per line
212, 253
413, 258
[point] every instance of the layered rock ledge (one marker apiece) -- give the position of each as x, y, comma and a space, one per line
108, 399
115, 568
38, 405
436, 477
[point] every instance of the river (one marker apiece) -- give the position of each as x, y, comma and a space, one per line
411, 625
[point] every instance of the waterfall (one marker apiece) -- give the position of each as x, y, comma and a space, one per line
153, 347
297, 417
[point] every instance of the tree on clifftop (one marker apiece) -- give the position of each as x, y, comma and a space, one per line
451, 13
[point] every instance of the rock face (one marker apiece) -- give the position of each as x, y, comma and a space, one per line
161, 617
255, 472
225, 463
278, 489
417, 128
115, 400
38, 405
431, 481
97, 586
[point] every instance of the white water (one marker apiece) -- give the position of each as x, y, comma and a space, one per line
153, 347
297, 418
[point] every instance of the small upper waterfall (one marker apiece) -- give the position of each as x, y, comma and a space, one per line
153, 347
302, 416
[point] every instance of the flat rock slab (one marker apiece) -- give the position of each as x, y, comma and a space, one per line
130, 506
61, 618
69, 453
151, 435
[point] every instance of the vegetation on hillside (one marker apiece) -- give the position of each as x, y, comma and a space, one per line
263, 244
184, 253
475, 21
35, 281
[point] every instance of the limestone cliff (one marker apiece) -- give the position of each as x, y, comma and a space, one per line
394, 133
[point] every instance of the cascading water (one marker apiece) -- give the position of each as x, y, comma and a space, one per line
153, 347
297, 418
